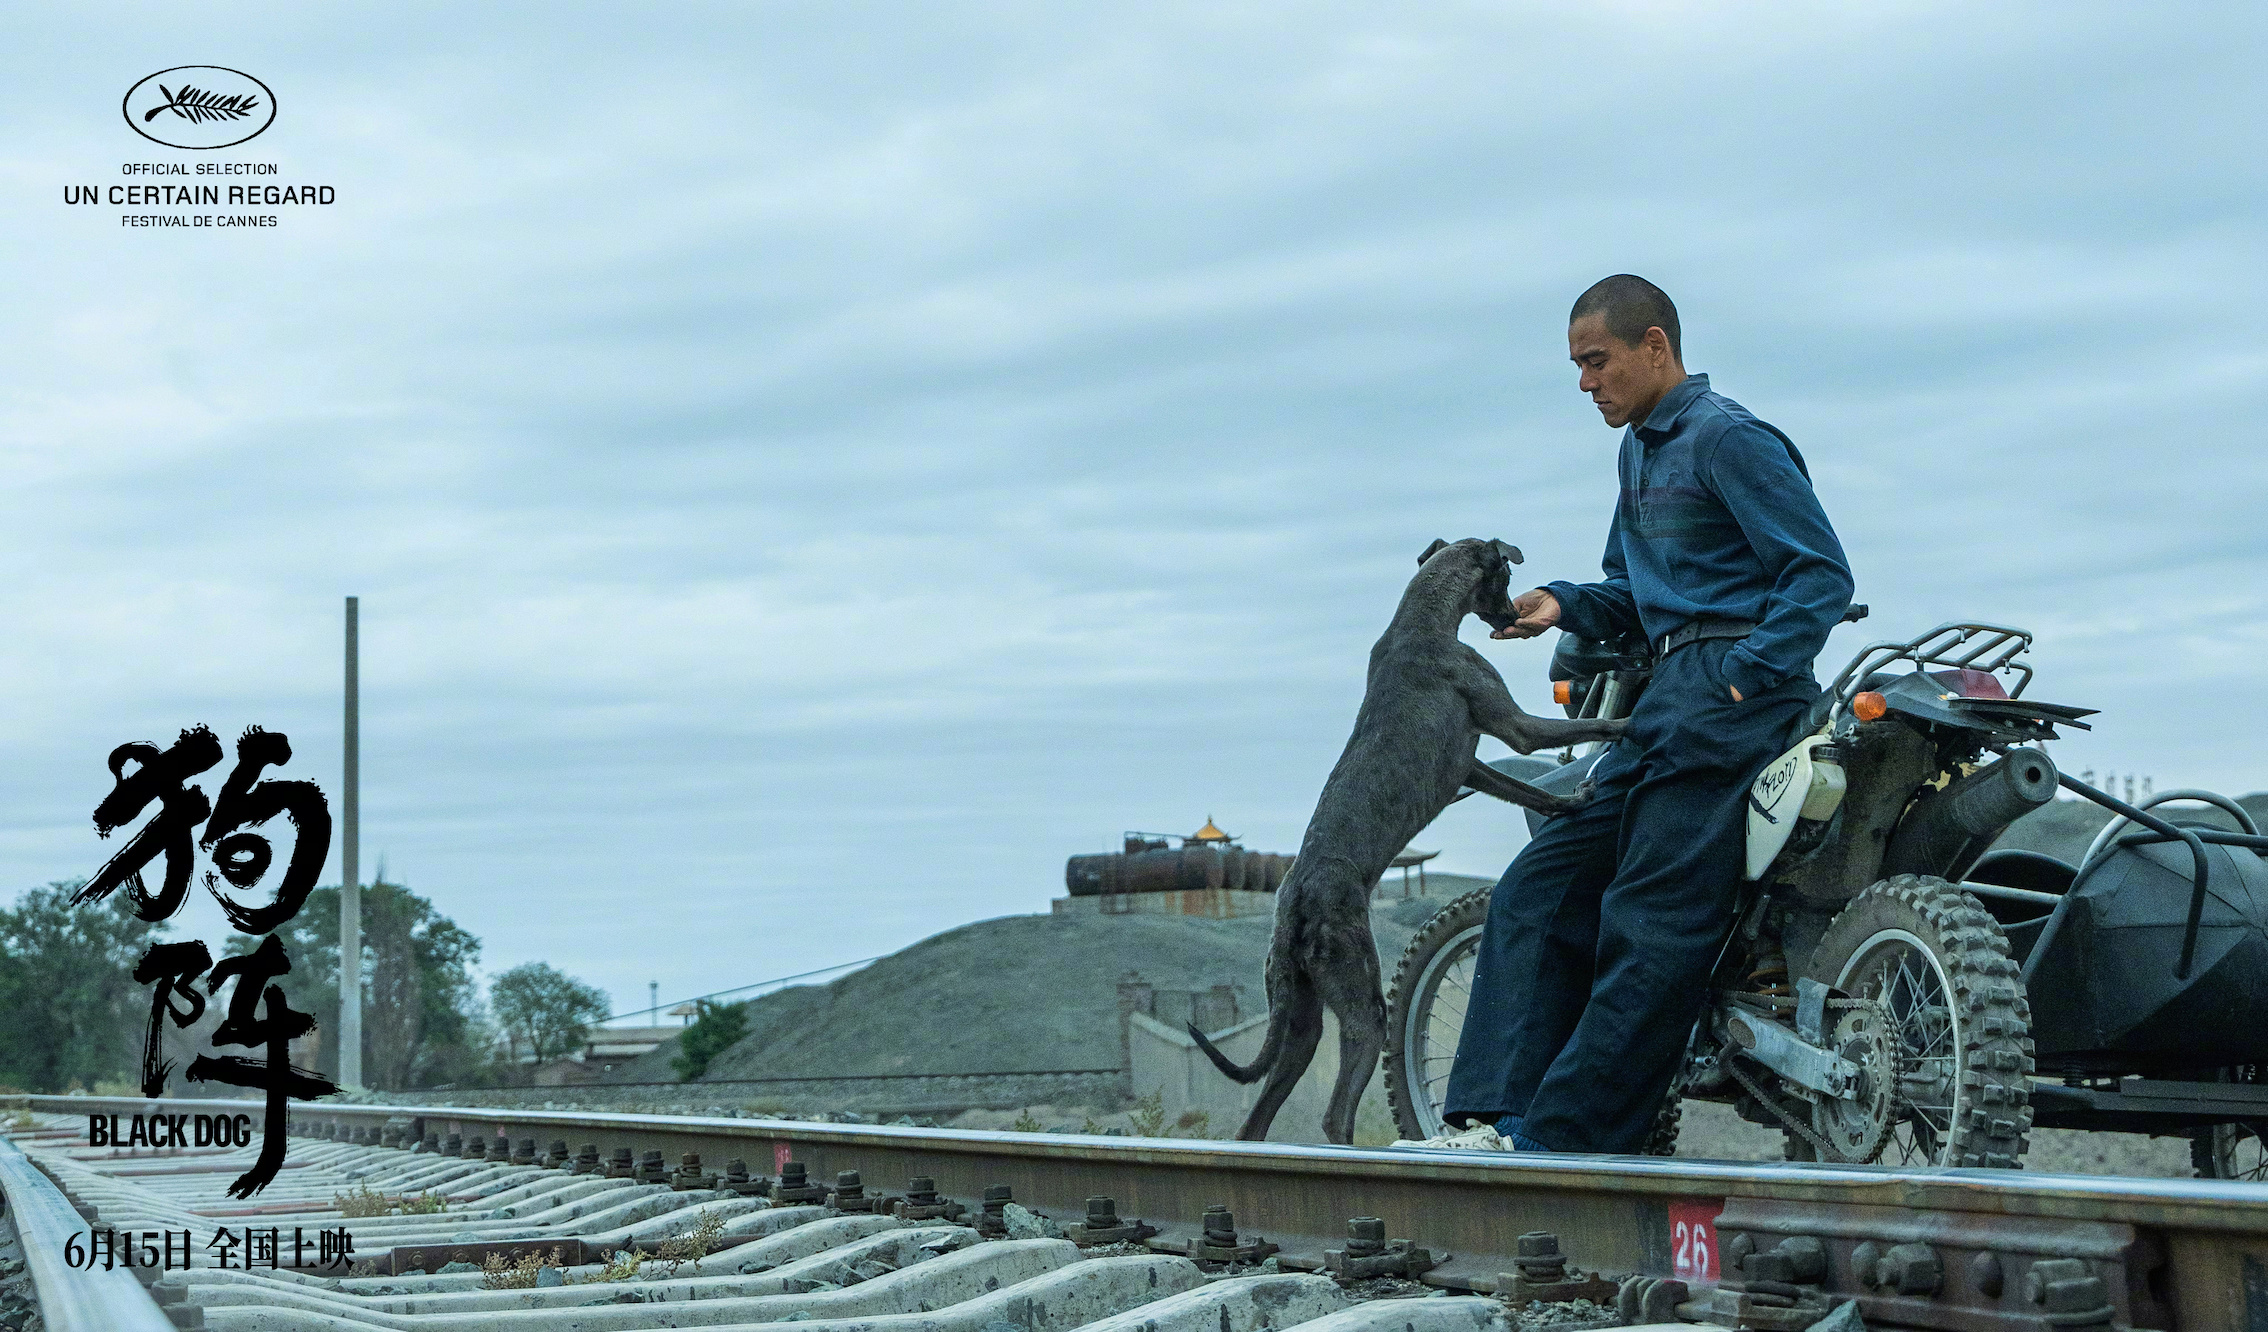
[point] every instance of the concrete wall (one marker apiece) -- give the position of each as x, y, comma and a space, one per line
1210, 903
1163, 1059
938, 1094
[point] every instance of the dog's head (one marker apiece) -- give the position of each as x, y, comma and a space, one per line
1492, 563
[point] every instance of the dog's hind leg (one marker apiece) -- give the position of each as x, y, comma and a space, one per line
1361, 1012
1300, 1009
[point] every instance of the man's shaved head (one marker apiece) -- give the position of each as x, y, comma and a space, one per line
1630, 305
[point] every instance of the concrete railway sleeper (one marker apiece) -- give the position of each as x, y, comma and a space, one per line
1037, 1232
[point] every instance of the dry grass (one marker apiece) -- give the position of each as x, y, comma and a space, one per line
693, 1245
496, 1274
623, 1266
364, 1201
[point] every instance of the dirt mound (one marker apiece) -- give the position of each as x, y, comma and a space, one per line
1016, 994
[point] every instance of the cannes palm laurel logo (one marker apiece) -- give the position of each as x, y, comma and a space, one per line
199, 107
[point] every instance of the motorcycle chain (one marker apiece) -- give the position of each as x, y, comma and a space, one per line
1771, 1103
1819, 1146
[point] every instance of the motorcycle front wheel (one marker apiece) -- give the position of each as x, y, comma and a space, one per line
1950, 1003
1425, 1015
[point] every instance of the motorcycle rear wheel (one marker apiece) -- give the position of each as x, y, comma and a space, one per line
2233, 1151
1939, 964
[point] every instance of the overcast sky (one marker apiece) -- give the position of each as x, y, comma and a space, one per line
810, 468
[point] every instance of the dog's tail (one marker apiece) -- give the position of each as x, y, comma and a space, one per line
1270, 1050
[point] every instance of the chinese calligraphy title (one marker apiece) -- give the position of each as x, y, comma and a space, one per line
257, 1015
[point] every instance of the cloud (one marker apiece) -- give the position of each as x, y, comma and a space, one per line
807, 474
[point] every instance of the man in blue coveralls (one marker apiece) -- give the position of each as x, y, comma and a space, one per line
1595, 959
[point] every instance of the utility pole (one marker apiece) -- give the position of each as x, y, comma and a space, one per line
350, 868
653, 997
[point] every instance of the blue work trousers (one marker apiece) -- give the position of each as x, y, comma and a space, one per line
1595, 959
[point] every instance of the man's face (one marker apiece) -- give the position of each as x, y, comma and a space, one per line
1624, 381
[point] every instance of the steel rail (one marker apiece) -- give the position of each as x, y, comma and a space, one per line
69, 1300
2186, 1254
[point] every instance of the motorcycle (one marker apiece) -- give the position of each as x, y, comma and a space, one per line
1891, 988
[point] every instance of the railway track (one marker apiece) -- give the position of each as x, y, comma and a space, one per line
880, 1227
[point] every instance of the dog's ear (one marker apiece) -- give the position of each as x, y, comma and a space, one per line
1510, 552
1438, 543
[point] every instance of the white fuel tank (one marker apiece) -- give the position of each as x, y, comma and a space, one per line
1791, 787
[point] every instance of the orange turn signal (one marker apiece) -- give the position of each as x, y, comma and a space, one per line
1563, 692
1869, 706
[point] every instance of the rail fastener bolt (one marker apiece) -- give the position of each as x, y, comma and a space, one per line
851, 1196
587, 1160
737, 1180
991, 1220
1543, 1274
1370, 1254
1219, 1243
1105, 1226
2071, 1294
794, 1186
1910, 1269
689, 1176
923, 1203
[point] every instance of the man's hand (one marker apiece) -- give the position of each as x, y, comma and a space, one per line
1535, 611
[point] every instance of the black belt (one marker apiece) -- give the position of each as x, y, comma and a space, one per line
1696, 630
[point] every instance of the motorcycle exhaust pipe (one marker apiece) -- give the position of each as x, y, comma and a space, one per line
1946, 831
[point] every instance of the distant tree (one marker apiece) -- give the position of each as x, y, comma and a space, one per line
546, 1008
420, 1003
715, 1028
70, 1010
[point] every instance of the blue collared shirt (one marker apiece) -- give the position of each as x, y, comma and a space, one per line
1717, 520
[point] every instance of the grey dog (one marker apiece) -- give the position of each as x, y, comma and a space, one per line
1428, 701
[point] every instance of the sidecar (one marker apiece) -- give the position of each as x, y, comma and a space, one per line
2147, 971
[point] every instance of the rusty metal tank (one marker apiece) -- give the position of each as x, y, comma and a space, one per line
1147, 863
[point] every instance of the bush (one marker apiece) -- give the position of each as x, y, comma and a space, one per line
714, 1030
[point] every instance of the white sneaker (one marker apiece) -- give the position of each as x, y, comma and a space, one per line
1478, 1138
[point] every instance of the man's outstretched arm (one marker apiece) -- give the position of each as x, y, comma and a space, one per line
1601, 610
